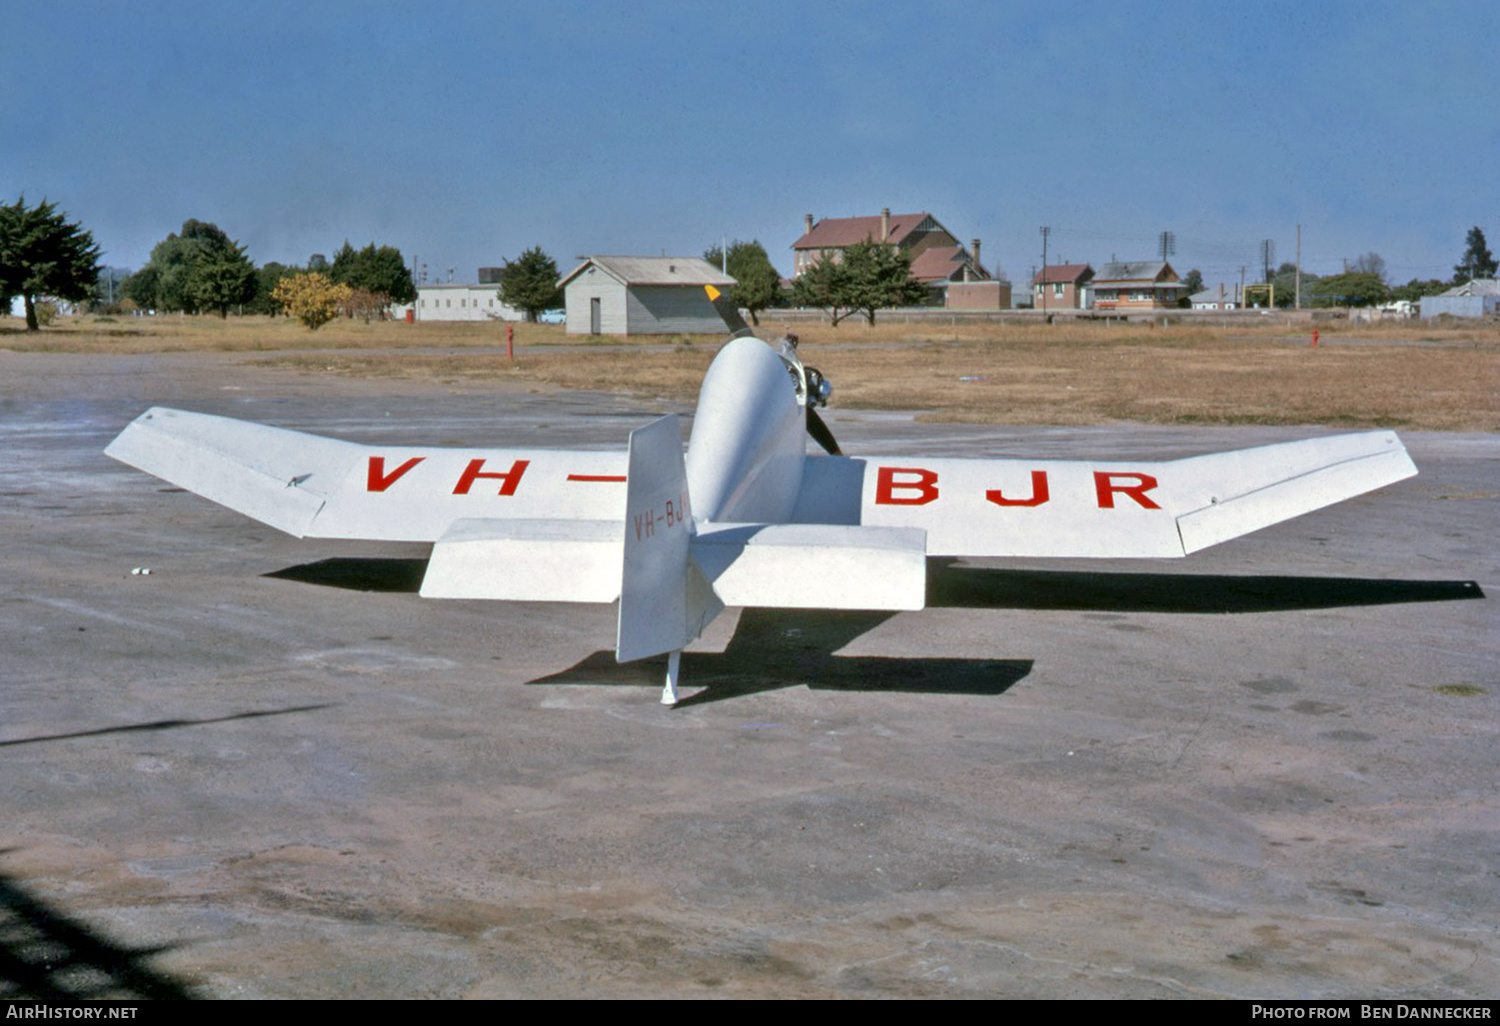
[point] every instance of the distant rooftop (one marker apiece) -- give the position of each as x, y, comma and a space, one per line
640, 270
838, 232
1061, 274
941, 263
1477, 287
1134, 271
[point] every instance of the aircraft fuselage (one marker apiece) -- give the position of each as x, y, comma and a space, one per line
744, 460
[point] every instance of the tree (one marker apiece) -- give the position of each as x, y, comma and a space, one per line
311, 298
757, 283
870, 276
201, 269
1477, 262
364, 304
878, 277
821, 285
109, 289
143, 288
1194, 283
1285, 280
266, 279
1415, 289
381, 271
1369, 263
168, 270
1352, 288
42, 253
220, 279
529, 283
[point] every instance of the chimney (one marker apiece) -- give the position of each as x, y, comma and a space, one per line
977, 264
885, 224
806, 224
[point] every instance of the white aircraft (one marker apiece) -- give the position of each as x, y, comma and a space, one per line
749, 517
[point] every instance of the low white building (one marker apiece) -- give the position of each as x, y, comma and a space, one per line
628, 295
457, 303
1217, 298
1477, 298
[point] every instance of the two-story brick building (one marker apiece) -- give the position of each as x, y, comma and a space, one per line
935, 253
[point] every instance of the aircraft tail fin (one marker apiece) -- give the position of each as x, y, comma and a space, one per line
665, 600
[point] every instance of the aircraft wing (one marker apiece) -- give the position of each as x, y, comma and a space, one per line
1097, 509
315, 487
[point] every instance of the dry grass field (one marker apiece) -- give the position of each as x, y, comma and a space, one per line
1413, 375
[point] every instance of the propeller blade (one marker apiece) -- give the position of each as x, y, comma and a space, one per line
728, 312
820, 432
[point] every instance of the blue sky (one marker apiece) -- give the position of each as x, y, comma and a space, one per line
465, 132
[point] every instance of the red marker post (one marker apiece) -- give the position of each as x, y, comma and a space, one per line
1315, 338
510, 342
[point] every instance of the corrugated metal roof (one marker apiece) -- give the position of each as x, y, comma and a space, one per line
1133, 271
1477, 287
1213, 295
638, 270
838, 232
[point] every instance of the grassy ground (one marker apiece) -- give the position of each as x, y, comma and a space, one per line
1424, 376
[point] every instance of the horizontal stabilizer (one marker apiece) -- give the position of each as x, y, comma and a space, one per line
1255, 488
526, 560
274, 475
814, 566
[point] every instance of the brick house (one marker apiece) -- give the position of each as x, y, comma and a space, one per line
1137, 285
935, 254
1061, 287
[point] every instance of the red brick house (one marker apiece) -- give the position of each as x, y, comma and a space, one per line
936, 255
1061, 286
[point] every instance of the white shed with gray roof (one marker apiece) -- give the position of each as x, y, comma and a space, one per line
627, 295
1477, 298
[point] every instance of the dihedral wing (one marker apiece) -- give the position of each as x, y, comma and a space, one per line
747, 517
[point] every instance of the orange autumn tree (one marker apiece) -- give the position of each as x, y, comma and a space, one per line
311, 298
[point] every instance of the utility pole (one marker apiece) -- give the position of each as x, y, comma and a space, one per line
1297, 303
1046, 231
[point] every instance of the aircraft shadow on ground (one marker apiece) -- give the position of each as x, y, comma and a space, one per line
780, 648
128, 728
358, 574
963, 587
45, 955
